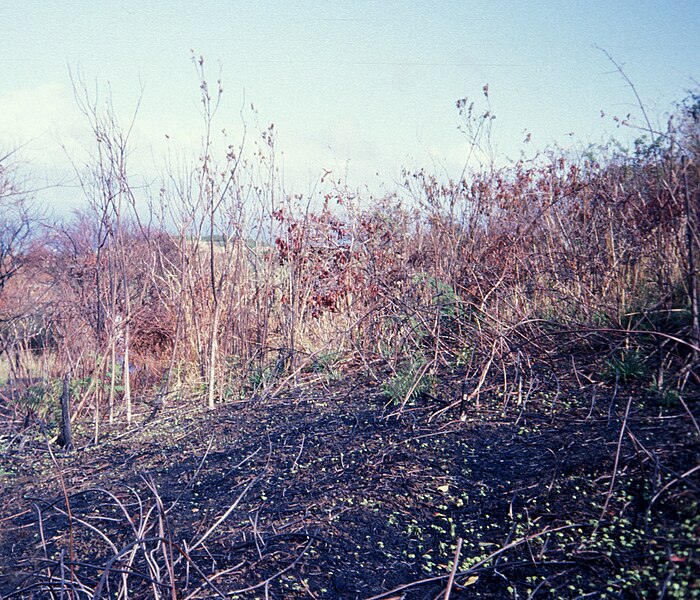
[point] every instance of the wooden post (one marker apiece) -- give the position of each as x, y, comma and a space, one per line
66, 438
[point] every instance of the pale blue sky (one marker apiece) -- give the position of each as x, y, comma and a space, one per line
367, 86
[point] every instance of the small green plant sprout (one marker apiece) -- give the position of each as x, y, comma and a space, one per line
410, 381
326, 363
625, 366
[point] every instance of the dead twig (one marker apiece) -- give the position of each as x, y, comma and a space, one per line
271, 578
617, 461
455, 565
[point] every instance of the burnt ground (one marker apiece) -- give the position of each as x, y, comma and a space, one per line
322, 493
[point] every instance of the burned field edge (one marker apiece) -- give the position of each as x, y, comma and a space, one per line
476, 386
327, 492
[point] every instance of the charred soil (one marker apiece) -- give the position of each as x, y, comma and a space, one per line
326, 492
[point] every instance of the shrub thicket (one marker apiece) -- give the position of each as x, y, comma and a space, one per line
224, 285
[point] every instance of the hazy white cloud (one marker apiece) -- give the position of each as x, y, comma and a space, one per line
39, 117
